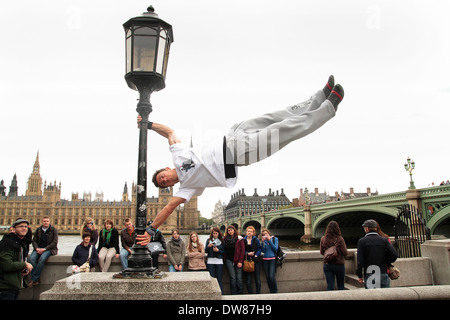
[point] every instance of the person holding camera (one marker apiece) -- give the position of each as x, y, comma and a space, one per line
12, 265
269, 247
215, 250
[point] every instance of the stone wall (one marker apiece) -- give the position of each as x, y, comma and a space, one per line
302, 272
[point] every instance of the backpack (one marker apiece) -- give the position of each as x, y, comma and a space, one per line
280, 257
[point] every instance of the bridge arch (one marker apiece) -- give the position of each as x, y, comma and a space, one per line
234, 224
440, 222
255, 224
286, 226
222, 228
351, 219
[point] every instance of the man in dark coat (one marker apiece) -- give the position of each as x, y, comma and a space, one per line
45, 243
12, 264
374, 254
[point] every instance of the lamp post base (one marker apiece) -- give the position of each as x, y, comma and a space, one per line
140, 265
128, 273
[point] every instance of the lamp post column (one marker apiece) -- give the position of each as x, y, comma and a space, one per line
140, 260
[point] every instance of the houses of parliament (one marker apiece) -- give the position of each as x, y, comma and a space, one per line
42, 199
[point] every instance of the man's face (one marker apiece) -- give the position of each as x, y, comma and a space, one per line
45, 222
21, 229
166, 178
129, 225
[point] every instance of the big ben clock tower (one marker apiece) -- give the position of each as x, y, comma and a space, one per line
34, 185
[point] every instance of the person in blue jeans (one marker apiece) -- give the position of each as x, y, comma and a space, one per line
176, 252
214, 249
269, 247
253, 252
234, 258
45, 243
334, 269
375, 254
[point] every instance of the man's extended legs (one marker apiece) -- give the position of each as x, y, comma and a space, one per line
258, 138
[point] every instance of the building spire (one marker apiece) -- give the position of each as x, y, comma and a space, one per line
34, 185
13, 189
125, 192
36, 166
2, 189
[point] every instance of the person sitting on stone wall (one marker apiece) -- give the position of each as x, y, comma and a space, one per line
45, 243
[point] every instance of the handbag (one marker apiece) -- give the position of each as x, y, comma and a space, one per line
249, 265
85, 267
394, 272
331, 253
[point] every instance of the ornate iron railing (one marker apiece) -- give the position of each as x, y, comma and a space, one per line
410, 232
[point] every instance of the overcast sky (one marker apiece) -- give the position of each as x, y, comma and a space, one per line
62, 90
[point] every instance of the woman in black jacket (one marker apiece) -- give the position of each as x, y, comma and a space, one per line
81, 252
108, 245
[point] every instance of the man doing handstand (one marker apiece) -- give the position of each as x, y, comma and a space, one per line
247, 142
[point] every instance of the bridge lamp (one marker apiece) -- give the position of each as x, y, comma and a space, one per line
410, 166
147, 43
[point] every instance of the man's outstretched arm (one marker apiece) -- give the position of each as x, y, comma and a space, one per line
166, 132
160, 218
163, 130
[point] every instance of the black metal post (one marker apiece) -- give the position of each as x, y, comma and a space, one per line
140, 260
145, 78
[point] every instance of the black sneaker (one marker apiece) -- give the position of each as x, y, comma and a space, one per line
336, 96
329, 86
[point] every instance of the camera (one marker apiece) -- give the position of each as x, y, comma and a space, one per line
216, 242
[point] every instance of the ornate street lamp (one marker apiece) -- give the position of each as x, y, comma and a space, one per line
307, 201
409, 166
148, 40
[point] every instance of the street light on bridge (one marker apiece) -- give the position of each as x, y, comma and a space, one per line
409, 166
147, 42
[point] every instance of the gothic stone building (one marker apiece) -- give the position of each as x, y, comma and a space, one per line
243, 205
69, 215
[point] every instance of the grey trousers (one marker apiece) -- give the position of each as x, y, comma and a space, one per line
254, 140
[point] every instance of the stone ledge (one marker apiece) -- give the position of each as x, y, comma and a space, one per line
404, 293
102, 286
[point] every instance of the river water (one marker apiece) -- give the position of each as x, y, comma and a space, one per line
67, 243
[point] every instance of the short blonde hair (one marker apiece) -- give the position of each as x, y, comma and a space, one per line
251, 228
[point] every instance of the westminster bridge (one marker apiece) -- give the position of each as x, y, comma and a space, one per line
311, 221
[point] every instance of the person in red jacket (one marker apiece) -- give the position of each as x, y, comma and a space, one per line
234, 258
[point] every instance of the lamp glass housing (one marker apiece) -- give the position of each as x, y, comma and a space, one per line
147, 42
147, 50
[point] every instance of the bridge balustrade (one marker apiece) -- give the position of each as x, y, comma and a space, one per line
410, 232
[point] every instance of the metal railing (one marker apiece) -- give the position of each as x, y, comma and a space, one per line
410, 232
